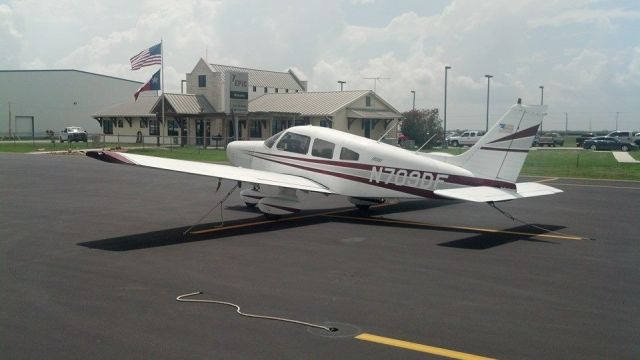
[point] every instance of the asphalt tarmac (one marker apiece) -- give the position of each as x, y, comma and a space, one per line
93, 257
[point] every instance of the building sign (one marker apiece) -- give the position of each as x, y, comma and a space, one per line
237, 90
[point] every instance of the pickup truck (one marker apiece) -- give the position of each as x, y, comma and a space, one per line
73, 133
550, 139
467, 138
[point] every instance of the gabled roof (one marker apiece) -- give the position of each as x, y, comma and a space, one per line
311, 103
261, 78
140, 108
185, 104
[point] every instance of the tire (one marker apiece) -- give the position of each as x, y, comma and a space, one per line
624, 148
61, 141
455, 143
593, 147
363, 207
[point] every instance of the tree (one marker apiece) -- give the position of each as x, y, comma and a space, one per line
420, 125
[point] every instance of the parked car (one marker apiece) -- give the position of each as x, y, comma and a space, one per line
73, 133
622, 135
580, 139
608, 143
550, 139
467, 138
637, 138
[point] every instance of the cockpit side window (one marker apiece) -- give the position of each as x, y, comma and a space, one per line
272, 140
322, 148
293, 142
348, 154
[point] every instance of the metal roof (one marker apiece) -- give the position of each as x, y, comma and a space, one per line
261, 78
140, 108
312, 103
187, 104
70, 70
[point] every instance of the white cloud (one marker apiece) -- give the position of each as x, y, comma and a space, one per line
523, 44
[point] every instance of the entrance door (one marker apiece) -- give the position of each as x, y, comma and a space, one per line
207, 132
367, 128
199, 132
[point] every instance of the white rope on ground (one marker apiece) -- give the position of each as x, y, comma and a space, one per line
184, 297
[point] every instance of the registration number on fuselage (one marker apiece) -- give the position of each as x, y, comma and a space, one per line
402, 177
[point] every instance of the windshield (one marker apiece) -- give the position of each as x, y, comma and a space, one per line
272, 140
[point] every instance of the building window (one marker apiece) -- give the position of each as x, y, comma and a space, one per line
276, 89
173, 129
254, 89
256, 129
120, 123
286, 90
265, 89
202, 81
368, 101
322, 148
154, 129
144, 123
108, 126
326, 123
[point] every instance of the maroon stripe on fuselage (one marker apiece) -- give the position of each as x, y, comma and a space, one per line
390, 186
452, 179
518, 135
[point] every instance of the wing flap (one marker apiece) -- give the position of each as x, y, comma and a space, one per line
214, 170
487, 193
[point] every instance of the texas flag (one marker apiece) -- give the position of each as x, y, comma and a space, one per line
153, 84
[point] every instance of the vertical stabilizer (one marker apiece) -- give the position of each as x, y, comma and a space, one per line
501, 152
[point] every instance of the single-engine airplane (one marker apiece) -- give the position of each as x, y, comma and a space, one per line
366, 171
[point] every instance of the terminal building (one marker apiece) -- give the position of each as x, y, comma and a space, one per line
34, 101
222, 100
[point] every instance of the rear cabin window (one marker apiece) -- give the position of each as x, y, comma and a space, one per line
322, 148
348, 154
272, 140
293, 142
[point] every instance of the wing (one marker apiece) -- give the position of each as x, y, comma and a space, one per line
486, 193
214, 170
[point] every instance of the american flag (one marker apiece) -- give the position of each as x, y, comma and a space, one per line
146, 57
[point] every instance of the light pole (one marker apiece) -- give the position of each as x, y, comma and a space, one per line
444, 131
617, 113
488, 81
341, 82
414, 100
541, 94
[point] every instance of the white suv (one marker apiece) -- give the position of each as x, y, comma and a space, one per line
73, 133
467, 138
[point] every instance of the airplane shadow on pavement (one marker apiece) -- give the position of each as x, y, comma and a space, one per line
209, 231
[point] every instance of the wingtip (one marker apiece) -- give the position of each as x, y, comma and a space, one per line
109, 156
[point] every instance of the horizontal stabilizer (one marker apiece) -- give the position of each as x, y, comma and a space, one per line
487, 193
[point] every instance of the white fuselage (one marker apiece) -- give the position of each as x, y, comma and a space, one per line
350, 165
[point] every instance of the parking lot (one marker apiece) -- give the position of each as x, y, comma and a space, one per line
93, 257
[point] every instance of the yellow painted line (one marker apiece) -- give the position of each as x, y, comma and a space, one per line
466, 228
599, 186
549, 179
419, 347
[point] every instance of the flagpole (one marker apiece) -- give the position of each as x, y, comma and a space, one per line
162, 84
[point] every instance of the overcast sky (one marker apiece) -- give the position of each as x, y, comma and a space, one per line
585, 53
